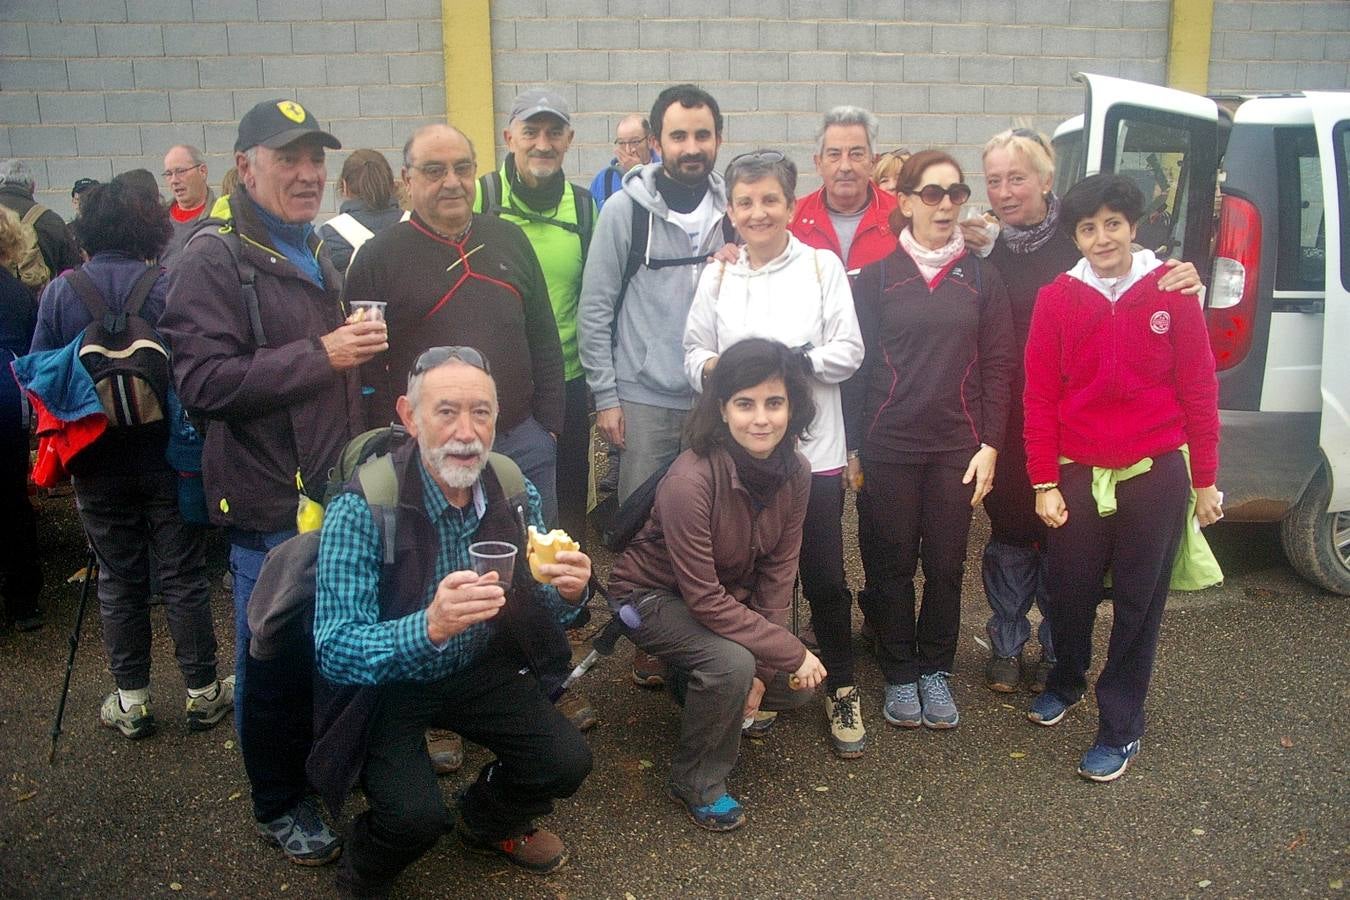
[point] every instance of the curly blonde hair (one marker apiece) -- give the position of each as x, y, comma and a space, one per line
11, 238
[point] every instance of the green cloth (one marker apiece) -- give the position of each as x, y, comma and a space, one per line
1195, 567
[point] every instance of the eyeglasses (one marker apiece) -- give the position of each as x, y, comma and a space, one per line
438, 356
768, 156
899, 153
932, 195
179, 173
438, 171
631, 144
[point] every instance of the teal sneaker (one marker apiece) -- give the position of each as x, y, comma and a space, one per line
723, 814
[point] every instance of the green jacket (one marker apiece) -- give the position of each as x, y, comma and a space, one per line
560, 241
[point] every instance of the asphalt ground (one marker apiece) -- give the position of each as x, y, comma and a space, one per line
1241, 789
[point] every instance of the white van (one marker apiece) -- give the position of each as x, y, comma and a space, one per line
1253, 190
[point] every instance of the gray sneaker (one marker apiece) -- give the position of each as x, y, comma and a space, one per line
939, 708
901, 706
204, 712
302, 835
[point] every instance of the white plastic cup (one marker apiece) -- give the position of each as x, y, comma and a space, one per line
494, 556
374, 309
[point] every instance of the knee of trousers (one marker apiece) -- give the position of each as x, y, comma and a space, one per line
566, 765
415, 820
729, 671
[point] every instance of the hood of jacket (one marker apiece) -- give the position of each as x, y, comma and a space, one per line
640, 184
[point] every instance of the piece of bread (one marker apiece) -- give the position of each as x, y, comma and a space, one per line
542, 550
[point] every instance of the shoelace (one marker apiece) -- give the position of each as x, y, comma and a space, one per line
902, 692
937, 686
843, 708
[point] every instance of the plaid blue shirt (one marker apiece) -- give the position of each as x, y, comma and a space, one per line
351, 644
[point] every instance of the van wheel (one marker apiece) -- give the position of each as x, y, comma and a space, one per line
1316, 542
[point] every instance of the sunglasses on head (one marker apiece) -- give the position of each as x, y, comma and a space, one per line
437, 356
1030, 135
769, 156
932, 195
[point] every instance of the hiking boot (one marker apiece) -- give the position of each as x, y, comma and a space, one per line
847, 735
1102, 763
578, 711
758, 725
445, 749
1048, 708
648, 670
939, 707
901, 706
205, 711
536, 850
302, 835
134, 723
1003, 674
1040, 675
723, 814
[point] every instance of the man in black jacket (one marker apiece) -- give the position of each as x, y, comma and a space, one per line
54, 239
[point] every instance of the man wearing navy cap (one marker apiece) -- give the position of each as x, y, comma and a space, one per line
261, 352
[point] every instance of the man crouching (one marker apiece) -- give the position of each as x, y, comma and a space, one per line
418, 640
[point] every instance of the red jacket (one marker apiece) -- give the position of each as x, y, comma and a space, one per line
1110, 384
874, 240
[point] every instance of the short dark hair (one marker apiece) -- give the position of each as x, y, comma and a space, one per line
1115, 192
689, 96
122, 216
141, 180
746, 364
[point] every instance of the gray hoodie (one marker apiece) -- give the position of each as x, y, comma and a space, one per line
645, 363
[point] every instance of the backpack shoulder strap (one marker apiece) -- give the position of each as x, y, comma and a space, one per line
350, 229
585, 210
34, 213
379, 484
508, 475
491, 184
728, 230
248, 275
89, 293
144, 285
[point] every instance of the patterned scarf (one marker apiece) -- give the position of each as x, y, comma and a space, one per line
931, 262
1026, 240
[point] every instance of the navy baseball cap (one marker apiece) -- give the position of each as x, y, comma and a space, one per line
275, 123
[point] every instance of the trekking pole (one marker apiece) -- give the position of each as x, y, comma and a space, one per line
70, 660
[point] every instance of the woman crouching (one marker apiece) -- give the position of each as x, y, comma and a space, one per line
711, 572
1120, 384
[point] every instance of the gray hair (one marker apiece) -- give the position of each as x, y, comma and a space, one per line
193, 153
414, 391
751, 167
849, 115
423, 129
16, 172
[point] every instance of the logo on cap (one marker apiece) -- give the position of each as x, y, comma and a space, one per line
292, 110
1161, 322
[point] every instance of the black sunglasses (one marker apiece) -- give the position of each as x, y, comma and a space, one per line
932, 195
1030, 135
437, 356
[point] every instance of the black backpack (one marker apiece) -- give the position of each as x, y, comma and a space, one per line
123, 353
637, 256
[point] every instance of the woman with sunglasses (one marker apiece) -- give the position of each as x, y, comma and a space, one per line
780, 288
710, 575
925, 419
1030, 250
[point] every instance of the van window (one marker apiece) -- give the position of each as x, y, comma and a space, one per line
1300, 263
1068, 161
1157, 156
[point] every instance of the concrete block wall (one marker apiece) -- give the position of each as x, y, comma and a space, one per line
1276, 45
96, 87
944, 72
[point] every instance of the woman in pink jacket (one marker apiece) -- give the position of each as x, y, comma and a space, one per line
1120, 384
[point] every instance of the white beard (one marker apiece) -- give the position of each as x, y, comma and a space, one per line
452, 474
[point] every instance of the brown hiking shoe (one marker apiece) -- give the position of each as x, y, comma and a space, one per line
1004, 674
578, 711
537, 850
648, 670
1040, 675
445, 749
